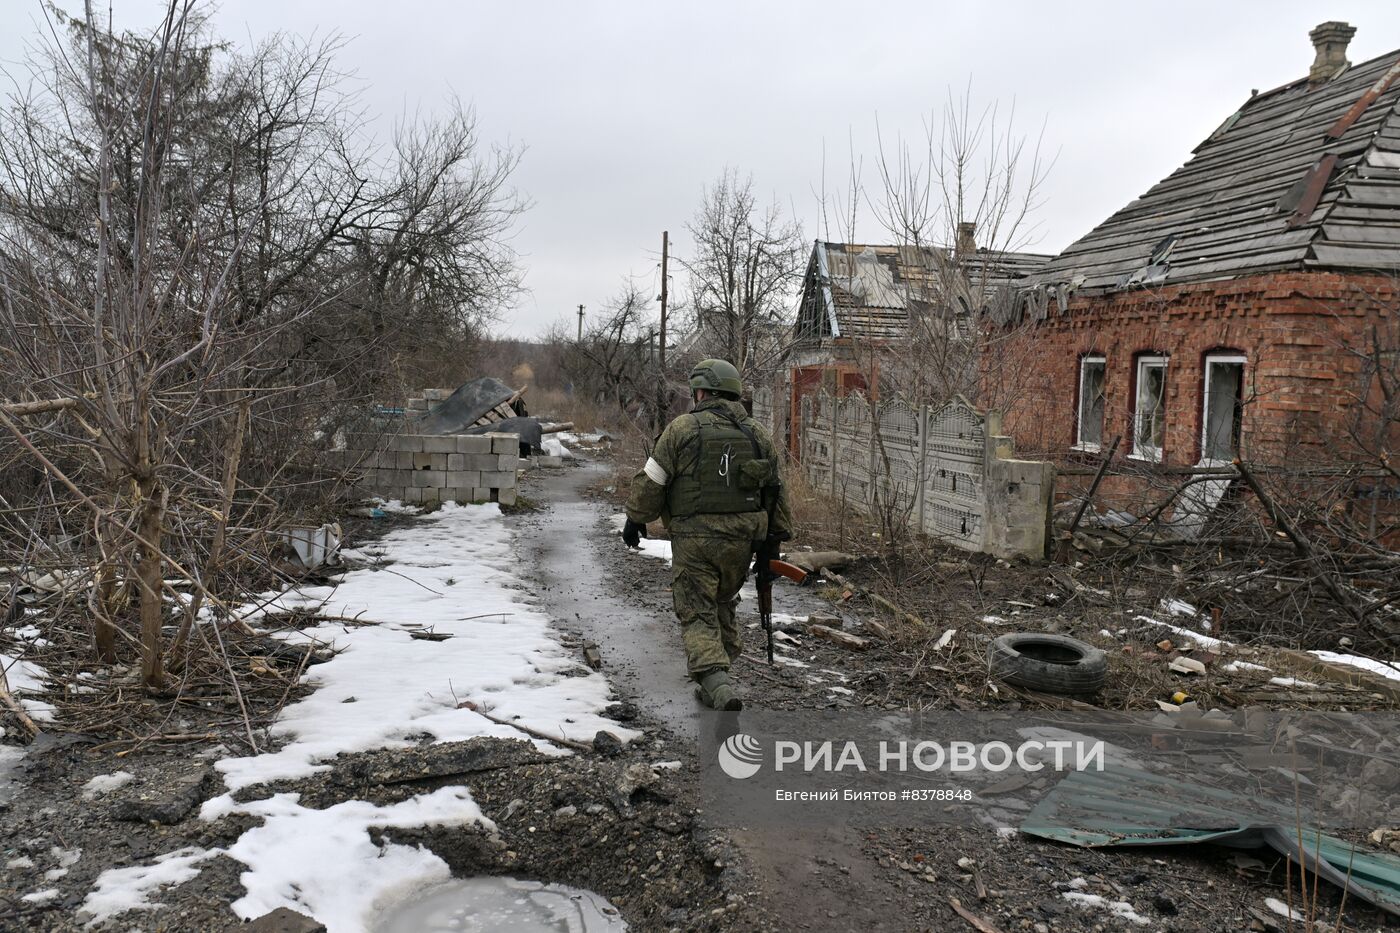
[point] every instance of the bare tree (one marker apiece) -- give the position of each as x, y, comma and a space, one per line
745, 263
615, 364
201, 258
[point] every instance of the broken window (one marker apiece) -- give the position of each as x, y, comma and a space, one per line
1149, 408
1220, 422
1089, 432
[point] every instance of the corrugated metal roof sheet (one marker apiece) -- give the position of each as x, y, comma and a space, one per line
1127, 807
1227, 211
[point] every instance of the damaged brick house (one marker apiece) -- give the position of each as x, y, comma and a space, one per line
886, 318
1245, 305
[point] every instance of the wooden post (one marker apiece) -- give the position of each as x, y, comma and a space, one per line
580, 323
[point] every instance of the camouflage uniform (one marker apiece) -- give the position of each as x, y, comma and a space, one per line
710, 554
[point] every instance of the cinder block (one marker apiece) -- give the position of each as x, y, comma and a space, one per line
440, 460
358, 441
481, 495
456, 462
473, 444
431, 496
463, 478
504, 443
403, 459
409, 442
422, 461
480, 462
508, 462
506, 496
498, 480
425, 479
440, 445
412, 496
522, 463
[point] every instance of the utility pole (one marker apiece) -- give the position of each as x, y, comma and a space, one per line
665, 249
580, 323
662, 397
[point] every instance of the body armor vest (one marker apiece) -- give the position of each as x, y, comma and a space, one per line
725, 470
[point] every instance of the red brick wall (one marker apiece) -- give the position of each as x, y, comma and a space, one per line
1304, 335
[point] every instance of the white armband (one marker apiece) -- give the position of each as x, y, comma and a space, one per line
655, 472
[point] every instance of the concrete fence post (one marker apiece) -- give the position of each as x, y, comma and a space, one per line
835, 448
921, 476
877, 437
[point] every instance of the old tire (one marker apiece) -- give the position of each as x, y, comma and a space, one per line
1051, 663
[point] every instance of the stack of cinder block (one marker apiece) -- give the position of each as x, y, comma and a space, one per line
425, 469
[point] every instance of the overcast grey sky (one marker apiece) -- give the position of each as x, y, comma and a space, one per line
628, 108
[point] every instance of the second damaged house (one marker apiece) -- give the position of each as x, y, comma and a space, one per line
881, 319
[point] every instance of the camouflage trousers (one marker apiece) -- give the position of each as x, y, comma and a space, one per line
707, 572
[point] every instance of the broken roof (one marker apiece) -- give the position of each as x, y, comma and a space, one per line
867, 291
1302, 177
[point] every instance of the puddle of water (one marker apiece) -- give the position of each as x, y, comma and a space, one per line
499, 905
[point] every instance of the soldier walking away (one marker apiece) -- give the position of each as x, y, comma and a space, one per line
713, 479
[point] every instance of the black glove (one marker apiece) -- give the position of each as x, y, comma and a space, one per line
633, 533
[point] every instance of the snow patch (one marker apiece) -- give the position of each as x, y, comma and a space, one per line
1234, 666
40, 897
659, 548
1120, 909
1282, 909
1205, 641
553, 447
323, 862
1370, 664
106, 783
1290, 682
452, 572
121, 889
26, 677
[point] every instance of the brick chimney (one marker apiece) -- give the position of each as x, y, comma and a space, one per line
967, 239
1330, 40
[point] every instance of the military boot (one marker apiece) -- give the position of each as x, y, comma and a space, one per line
717, 693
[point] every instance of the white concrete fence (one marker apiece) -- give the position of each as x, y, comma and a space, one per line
945, 471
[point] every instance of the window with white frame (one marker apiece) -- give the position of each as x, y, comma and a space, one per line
1088, 433
1149, 408
1220, 406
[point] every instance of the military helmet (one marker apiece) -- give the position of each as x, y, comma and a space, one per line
717, 376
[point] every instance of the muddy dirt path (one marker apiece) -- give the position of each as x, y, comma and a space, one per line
588, 582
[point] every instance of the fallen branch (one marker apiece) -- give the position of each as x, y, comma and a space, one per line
976, 922
876, 598
13, 703
534, 733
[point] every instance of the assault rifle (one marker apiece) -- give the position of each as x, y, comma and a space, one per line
767, 568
